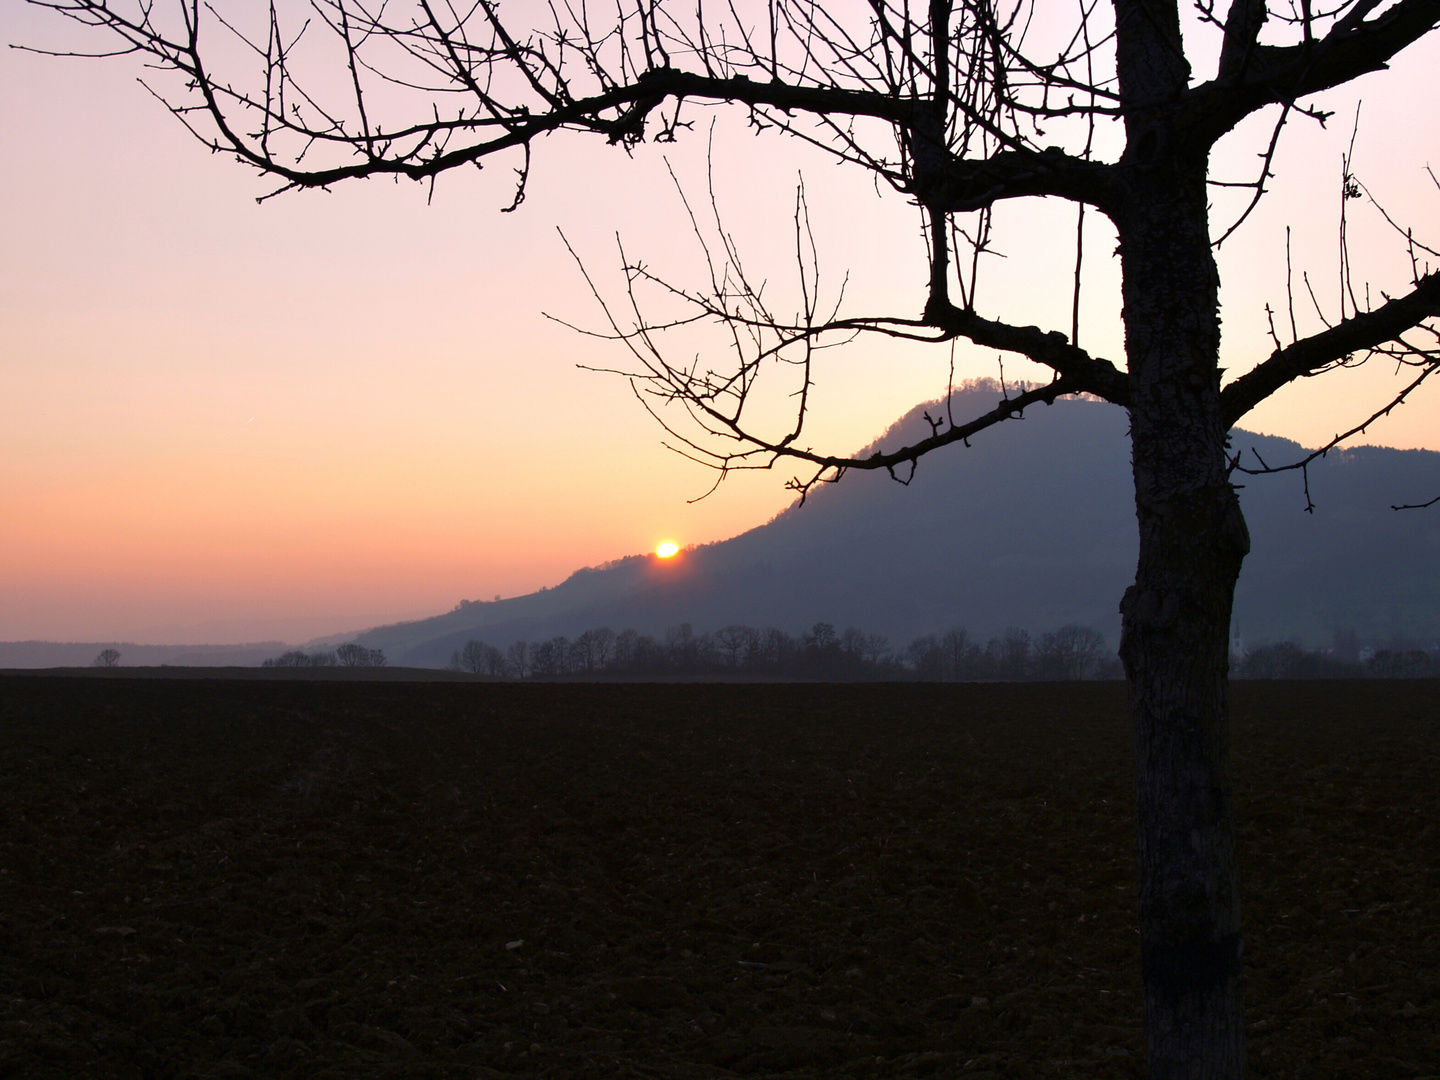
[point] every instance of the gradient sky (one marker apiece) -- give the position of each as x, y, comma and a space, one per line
222, 421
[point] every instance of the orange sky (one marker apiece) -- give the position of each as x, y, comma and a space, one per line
222, 421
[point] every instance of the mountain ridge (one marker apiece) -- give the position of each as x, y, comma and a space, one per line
1024, 527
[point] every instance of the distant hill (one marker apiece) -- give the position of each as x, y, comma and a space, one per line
1031, 526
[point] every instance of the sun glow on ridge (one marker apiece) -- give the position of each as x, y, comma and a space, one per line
669, 549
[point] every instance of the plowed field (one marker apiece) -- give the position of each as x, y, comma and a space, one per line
289, 878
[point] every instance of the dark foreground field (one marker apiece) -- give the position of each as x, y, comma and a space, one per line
205, 878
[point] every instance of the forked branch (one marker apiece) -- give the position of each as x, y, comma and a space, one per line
1367, 332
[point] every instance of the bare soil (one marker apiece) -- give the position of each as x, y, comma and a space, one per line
231, 878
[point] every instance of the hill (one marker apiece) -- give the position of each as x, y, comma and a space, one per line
1031, 526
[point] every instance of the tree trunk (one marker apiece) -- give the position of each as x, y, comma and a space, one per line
1175, 638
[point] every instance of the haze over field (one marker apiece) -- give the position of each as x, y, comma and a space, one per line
223, 422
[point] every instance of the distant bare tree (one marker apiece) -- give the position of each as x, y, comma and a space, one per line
960, 652
300, 658
754, 650
1081, 649
876, 648
682, 644
107, 658
927, 657
495, 664
821, 636
1012, 654
517, 659
961, 106
731, 641
479, 658
603, 644
550, 658
582, 649
354, 654
471, 656
624, 649
1072, 652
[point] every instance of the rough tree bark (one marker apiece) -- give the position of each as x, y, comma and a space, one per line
1176, 616
1176, 622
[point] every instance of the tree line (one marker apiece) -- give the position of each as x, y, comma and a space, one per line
352, 654
822, 653
1287, 660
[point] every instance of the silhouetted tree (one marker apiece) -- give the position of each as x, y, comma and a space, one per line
875, 649
1011, 655
479, 658
550, 658
685, 649
594, 647
1072, 652
927, 658
625, 649
821, 636
960, 654
517, 659
107, 658
961, 106
731, 642
354, 654
300, 658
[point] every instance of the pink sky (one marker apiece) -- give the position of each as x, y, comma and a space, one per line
223, 422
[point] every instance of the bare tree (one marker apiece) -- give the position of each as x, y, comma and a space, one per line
479, 658
1012, 654
959, 651
960, 106
472, 657
731, 642
927, 657
353, 654
1068, 653
494, 662
821, 636
300, 658
602, 641
876, 648
583, 651
107, 658
624, 652
517, 659
550, 658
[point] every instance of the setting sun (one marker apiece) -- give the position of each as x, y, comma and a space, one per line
668, 549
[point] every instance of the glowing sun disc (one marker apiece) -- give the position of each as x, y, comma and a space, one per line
668, 549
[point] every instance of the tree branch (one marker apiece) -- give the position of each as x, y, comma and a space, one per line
1242, 33
1360, 333
831, 468
960, 185
1090, 374
1271, 75
1304, 463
